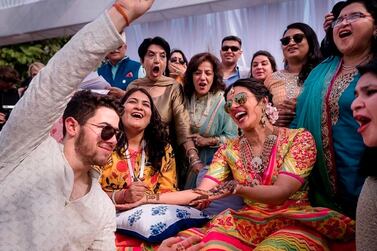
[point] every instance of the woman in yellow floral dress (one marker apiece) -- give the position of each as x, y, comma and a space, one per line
268, 166
143, 162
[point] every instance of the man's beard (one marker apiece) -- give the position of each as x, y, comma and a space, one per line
86, 153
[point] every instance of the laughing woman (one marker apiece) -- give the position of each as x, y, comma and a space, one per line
324, 108
268, 166
142, 162
364, 109
167, 95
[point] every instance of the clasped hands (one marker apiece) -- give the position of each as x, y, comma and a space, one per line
132, 194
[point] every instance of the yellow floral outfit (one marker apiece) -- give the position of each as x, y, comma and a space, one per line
116, 174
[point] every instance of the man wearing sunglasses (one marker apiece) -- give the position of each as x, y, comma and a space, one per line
119, 70
230, 53
50, 197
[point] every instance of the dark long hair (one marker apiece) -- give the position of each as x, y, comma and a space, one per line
371, 7
314, 55
193, 66
155, 134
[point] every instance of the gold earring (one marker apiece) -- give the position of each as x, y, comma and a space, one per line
264, 118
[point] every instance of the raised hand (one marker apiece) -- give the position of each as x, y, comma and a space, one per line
329, 18
135, 8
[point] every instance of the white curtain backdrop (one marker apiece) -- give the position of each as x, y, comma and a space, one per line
259, 27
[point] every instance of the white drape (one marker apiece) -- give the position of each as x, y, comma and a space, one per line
259, 27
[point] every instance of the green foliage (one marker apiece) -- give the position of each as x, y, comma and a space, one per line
19, 56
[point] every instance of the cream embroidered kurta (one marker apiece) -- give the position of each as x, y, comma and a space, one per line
35, 179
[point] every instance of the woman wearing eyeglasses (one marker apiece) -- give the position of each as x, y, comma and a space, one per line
269, 167
324, 107
210, 125
143, 162
301, 54
177, 65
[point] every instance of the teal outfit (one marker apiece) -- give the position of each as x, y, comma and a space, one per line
209, 119
324, 108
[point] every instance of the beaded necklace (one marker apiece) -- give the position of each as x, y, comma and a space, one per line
257, 164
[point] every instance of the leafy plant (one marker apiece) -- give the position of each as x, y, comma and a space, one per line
19, 56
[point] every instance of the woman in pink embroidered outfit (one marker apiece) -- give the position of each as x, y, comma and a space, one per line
268, 166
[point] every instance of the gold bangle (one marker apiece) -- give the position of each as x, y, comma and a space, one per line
191, 149
121, 11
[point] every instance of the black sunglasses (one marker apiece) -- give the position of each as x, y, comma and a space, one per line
232, 48
107, 132
177, 60
297, 38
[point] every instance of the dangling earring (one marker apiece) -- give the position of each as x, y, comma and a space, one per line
264, 118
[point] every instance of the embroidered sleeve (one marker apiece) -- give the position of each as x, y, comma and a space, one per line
219, 169
301, 156
168, 177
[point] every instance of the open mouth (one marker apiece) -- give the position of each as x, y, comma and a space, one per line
156, 69
239, 116
202, 85
137, 115
345, 33
363, 122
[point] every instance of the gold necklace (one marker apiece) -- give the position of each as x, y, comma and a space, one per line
255, 165
348, 68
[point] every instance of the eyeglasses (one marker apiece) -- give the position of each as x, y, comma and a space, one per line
350, 18
239, 98
297, 38
232, 48
107, 132
177, 60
